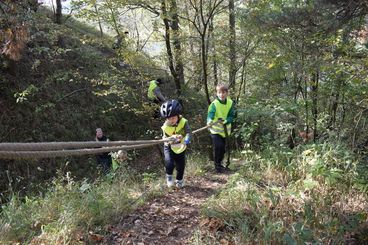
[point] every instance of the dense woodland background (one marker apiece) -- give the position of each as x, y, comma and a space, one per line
297, 71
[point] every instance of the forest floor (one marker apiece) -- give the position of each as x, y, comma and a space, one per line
169, 219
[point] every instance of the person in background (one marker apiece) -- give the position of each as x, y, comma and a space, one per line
155, 96
154, 92
220, 112
177, 127
104, 160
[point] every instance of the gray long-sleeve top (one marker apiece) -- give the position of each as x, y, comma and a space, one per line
158, 94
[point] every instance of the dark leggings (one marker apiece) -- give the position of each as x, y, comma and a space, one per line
173, 160
105, 163
219, 148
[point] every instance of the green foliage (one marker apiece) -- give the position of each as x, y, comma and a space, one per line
67, 84
22, 96
69, 207
14, 23
262, 123
298, 66
296, 40
106, 12
298, 197
148, 177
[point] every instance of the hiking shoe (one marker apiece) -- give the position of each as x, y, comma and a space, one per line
220, 168
179, 183
169, 180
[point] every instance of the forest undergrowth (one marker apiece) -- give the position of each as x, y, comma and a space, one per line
312, 194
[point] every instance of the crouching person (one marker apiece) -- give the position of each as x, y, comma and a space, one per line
177, 127
104, 160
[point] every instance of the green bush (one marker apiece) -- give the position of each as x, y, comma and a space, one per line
69, 207
279, 196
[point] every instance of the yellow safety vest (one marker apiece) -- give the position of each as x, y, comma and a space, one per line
222, 110
178, 129
152, 86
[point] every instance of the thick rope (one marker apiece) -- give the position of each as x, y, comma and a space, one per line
64, 153
203, 128
57, 149
71, 145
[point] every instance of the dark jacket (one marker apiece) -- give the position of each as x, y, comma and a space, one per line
104, 155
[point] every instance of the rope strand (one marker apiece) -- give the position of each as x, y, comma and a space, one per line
63, 149
71, 145
64, 153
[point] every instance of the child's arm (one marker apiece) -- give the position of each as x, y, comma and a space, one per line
164, 136
230, 115
188, 133
211, 113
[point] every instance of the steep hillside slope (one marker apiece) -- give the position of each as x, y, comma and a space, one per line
68, 82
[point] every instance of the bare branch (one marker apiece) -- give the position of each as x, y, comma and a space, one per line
191, 21
149, 8
70, 94
145, 42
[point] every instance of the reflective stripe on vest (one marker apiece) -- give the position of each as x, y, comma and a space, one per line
178, 129
222, 110
152, 86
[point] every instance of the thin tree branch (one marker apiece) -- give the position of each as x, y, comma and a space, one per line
145, 42
70, 94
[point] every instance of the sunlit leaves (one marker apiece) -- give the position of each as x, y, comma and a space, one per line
25, 94
14, 23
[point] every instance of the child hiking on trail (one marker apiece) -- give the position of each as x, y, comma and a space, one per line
221, 114
175, 126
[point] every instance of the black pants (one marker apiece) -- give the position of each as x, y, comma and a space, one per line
104, 162
219, 149
173, 160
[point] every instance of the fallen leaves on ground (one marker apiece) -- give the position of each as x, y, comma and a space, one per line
169, 219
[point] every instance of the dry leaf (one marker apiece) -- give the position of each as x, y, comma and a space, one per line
95, 237
212, 224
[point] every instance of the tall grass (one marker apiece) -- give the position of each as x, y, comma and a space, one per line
70, 209
279, 196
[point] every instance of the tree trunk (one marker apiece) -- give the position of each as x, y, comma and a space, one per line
306, 105
291, 141
305, 92
167, 41
114, 20
213, 49
99, 20
193, 63
179, 67
58, 13
204, 66
343, 112
33, 4
204, 19
314, 89
242, 80
335, 96
232, 54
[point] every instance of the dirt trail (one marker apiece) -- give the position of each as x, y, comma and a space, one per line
169, 219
